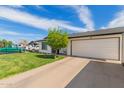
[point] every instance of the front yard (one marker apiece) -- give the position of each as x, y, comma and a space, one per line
11, 64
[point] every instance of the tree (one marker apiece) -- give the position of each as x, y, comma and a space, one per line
1, 44
5, 43
10, 43
57, 39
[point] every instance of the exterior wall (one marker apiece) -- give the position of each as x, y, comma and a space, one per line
44, 51
63, 51
123, 49
97, 37
68, 48
49, 50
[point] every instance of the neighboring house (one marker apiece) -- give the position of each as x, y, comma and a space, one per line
106, 44
23, 46
33, 46
44, 48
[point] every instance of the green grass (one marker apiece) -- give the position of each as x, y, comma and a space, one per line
11, 64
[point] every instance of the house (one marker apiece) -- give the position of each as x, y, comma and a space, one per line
33, 46
23, 44
44, 48
106, 44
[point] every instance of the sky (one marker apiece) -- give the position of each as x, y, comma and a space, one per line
32, 22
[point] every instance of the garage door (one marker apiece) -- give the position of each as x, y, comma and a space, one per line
97, 48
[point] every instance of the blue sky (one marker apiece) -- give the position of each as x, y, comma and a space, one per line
32, 22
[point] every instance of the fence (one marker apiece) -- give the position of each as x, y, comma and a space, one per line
11, 50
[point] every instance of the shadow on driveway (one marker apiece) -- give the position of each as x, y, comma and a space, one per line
99, 75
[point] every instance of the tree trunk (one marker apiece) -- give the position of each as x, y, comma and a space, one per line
55, 53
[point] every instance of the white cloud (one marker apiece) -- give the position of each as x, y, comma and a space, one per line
15, 33
103, 27
85, 16
8, 33
16, 36
33, 20
117, 21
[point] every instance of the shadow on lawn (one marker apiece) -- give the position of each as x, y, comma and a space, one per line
45, 56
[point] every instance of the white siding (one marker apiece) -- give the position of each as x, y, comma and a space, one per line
68, 48
63, 51
45, 51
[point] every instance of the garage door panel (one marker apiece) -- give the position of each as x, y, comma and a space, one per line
97, 48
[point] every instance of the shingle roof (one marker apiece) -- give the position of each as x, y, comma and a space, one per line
41, 39
98, 32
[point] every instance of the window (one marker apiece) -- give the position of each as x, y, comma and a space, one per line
44, 46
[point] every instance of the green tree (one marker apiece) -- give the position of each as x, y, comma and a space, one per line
10, 43
57, 39
5, 42
1, 44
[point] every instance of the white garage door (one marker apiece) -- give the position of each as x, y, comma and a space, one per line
97, 48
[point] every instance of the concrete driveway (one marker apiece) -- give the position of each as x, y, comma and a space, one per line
98, 74
53, 75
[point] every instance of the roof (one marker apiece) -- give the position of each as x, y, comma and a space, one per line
41, 39
31, 42
38, 40
98, 32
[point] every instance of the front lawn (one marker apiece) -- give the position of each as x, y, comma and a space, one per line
11, 64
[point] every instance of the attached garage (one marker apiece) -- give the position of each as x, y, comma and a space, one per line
104, 44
